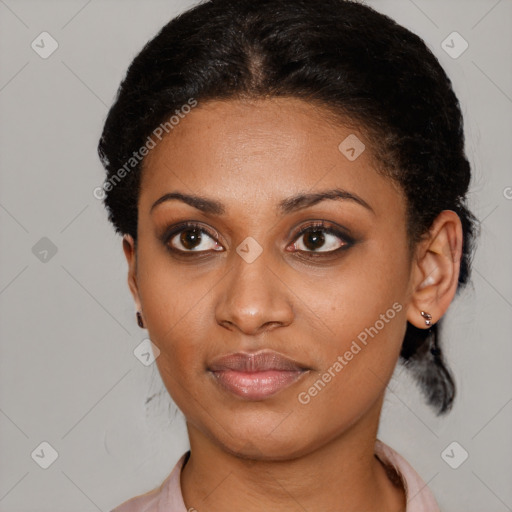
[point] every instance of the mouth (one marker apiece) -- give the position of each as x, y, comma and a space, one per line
256, 376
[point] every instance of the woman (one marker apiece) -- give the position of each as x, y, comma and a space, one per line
289, 178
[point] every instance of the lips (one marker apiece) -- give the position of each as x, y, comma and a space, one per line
256, 376
255, 362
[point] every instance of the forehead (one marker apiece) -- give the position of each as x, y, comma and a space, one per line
261, 151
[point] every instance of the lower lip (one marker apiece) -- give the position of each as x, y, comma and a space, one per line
256, 385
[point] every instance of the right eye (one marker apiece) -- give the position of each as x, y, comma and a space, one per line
191, 238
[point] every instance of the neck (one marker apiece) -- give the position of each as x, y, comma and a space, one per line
342, 475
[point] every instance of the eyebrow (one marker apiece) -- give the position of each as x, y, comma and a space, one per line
286, 206
301, 201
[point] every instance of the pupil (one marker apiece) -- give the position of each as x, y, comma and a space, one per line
190, 238
315, 237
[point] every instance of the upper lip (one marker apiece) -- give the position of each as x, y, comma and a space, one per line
255, 362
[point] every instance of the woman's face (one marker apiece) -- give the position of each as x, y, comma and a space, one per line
333, 299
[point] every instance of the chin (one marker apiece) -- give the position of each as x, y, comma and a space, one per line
262, 443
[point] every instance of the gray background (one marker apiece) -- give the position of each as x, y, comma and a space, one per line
68, 373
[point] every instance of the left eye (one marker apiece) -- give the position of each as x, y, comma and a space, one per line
320, 239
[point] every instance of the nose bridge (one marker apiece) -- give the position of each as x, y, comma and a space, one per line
253, 297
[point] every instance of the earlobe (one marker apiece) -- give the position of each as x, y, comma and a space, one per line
427, 317
436, 271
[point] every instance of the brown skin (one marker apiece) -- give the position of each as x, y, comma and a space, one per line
278, 454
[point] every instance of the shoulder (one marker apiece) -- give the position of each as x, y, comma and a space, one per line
143, 503
166, 495
419, 496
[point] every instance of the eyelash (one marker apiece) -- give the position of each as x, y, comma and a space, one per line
312, 227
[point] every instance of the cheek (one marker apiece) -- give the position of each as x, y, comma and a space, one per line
372, 282
175, 309
364, 308
175, 317
367, 326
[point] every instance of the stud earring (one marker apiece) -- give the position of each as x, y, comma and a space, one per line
427, 317
139, 320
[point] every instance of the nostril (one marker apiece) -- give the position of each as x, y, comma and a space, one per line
227, 324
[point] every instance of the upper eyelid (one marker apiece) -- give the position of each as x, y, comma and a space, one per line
325, 226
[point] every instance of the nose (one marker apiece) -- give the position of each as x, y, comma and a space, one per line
253, 298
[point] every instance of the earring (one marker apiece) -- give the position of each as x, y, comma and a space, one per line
427, 317
139, 320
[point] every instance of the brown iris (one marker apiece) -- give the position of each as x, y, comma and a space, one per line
190, 238
313, 237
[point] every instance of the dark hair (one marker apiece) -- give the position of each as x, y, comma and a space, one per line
358, 64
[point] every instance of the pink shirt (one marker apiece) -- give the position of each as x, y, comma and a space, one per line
168, 497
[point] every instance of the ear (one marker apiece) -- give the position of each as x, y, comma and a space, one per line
130, 253
436, 269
